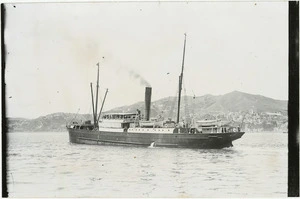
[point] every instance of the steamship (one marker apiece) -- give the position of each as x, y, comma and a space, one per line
139, 130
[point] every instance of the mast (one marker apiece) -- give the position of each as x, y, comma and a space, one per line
96, 105
102, 106
93, 104
180, 80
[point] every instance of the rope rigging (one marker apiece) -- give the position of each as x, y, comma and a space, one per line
74, 116
173, 104
186, 106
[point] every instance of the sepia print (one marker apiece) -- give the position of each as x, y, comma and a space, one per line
146, 99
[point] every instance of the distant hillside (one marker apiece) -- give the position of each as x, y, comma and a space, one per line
52, 122
207, 106
231, 102
239, 101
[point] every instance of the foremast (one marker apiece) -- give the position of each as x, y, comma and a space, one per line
180, 80
93, 103
95, 106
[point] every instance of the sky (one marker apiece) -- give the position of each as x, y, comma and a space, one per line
52, 51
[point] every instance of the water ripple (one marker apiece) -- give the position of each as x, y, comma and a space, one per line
43, 167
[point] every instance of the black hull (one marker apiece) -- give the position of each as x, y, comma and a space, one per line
201, 141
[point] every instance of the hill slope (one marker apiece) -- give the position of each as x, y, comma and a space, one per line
198, 107
231, 102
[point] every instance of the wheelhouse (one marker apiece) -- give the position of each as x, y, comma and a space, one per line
119, 120
120, 116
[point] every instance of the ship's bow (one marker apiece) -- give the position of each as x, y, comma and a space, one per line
72, 135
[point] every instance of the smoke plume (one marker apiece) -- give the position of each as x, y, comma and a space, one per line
139, 77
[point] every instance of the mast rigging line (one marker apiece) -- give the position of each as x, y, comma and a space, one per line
102, 105
75, 116
173, 103
96, 117
93, 103
96, 105
180, 79
186, 105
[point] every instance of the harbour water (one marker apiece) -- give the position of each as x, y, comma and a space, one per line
47, 165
